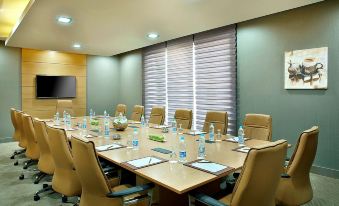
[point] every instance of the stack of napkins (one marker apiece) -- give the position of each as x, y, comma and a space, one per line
107, 147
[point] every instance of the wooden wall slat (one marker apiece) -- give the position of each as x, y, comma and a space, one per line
53, 57
35, 62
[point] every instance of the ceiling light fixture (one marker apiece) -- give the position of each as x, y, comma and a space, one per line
76, 46
64, 19
153, 35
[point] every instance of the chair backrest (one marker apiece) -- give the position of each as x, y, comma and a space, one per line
94, 182
16, 133
23, 139
121, 108
258, 126
260, 175
183, 117
138, 111
157, 115
219, 119
32, 150
46, 162
65, 105
301, 161
65, 179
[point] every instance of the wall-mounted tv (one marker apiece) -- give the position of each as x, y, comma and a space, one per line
55, 87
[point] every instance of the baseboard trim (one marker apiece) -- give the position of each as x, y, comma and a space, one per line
6, 139
325, 171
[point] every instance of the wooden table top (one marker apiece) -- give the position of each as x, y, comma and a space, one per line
173, 176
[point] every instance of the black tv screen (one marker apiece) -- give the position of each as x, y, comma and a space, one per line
55, 87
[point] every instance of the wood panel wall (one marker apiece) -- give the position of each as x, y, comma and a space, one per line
37, 62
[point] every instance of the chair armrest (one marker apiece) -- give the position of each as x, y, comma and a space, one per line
210, 201
129, 191
284, 175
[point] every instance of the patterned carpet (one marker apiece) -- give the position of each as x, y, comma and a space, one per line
20, 192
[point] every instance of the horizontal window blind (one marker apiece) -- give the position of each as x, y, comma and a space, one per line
154, 65
179, 75
215, 74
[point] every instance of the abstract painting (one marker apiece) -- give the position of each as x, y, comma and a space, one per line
306, 69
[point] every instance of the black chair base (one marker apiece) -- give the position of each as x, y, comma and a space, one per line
17, 152
39, 176
29, 163
45, 188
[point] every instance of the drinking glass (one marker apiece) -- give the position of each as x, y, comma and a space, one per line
129, 142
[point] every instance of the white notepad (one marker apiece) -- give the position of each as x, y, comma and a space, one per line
144, 161
209, 166
196, 133
107, 147
244, 149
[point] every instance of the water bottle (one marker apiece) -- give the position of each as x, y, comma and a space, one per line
135, 141
64, 115
57, 118
218, 136
84, 127
241, 140
182, 150
90, 114
69, 122
142, 121
174, 128
201, 148
211, 132
106, 127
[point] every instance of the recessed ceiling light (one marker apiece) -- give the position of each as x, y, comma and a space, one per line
64, 19
153, 35
76, 45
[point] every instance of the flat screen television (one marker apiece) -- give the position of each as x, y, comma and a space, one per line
55, 87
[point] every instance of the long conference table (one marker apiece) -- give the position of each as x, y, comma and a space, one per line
173, 180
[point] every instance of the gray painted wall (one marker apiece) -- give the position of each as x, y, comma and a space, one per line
103, 83
10, 81
131, 79
261, 46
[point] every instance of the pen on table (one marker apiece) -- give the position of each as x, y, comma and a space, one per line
150, 160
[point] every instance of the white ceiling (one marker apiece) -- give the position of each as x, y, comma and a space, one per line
109, 27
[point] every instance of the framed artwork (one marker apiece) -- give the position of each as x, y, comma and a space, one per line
306, 69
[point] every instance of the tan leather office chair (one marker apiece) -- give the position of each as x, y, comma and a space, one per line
95, 185
295, 187
65, 105
219, 119
46, 162
258, 181
183, 117
23, 139
258, 126
16, 134
138, 111
65, 180
121, 108
157, 115
32, 151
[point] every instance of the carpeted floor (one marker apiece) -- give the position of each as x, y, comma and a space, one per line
20, 192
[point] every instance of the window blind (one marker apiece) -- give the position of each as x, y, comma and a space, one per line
215, 74
154, 65
179, 75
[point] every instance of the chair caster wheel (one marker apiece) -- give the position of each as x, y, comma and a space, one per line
16, 163
25, 167
64, 199
44, 185
21, 177
36, 197
12, 157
